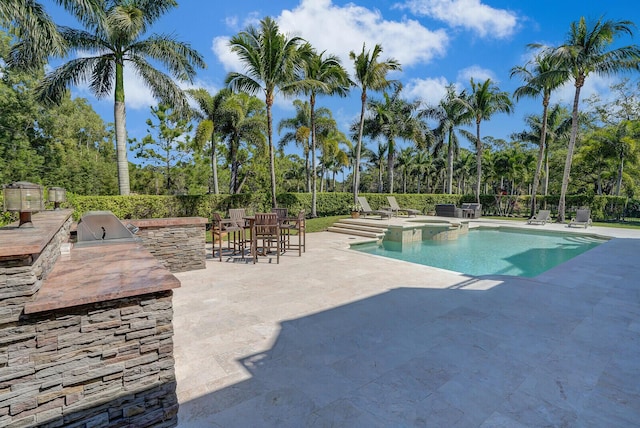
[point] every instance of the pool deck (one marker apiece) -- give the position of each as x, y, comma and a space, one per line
346, 339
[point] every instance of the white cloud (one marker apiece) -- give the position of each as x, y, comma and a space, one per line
341, 29
429, 91
477, 73
470, 14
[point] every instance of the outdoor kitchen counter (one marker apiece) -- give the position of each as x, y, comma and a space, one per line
100, 273
24, 241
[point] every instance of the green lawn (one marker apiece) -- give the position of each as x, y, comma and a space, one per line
620, 224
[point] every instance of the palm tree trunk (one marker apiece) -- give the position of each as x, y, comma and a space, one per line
233, 179
272, 157
312, 102
478, 161
620, 170
450, 163
356, 168
214, 166
390, 161
307, 171
119, 116
543, 139
570, 149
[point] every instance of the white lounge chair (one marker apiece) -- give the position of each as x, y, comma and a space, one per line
542, 217
582, 218
366, 208
393, 205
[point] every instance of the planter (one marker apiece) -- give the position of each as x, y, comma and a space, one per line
355, 214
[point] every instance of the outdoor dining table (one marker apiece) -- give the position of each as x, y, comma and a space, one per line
251, 220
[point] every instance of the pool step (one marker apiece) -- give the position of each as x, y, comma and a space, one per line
358, 228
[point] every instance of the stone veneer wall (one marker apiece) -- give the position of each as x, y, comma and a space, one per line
102, 364
21, 278
179, 248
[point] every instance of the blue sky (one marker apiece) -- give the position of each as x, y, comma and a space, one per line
436, 41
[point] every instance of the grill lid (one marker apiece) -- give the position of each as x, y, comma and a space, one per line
102, 227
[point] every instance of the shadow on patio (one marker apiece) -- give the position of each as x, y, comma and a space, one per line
503, 356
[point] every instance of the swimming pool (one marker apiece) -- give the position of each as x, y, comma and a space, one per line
485, 251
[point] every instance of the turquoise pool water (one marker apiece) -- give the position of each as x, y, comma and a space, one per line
490, 251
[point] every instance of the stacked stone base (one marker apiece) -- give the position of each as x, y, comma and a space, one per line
105, 364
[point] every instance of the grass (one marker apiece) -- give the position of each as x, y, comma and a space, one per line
615, 224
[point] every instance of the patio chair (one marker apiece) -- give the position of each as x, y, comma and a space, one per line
266, 228
366, 209
220, 228
243, 238
393, 205
295, 224
283, 218
582, 218
542, 217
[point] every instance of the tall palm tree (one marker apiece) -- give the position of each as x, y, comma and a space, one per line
210, 115
321, 75
114, 42
300, 134
243, 120
391, 119
484, 101
541, 77
585, 52
450, 114
371, 74
271, 60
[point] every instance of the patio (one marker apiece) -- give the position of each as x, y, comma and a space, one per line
339, 338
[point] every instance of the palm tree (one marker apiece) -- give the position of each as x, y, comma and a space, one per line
300, 134
422, 163
271, 60
378, 158
114, 42
484, 101
210, 115
38, 36
450, 114
585, 52
394, 118
321, 75
369, 74
556, 125
243, 120
541, 77
406, 163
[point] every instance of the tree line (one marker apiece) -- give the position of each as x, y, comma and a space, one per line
234, 130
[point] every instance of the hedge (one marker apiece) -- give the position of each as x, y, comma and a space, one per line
328, 204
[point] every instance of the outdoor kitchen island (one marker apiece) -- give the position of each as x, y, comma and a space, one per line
86, 337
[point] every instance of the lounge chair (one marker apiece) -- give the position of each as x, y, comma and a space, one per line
582, 218
366, 209
542, 217
448, 210
471, 210
393, 205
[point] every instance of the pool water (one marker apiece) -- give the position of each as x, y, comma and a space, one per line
490, 251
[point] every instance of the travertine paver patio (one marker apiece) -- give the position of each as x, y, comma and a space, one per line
340, 338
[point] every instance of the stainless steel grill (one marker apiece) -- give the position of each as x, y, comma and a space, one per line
102, 227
